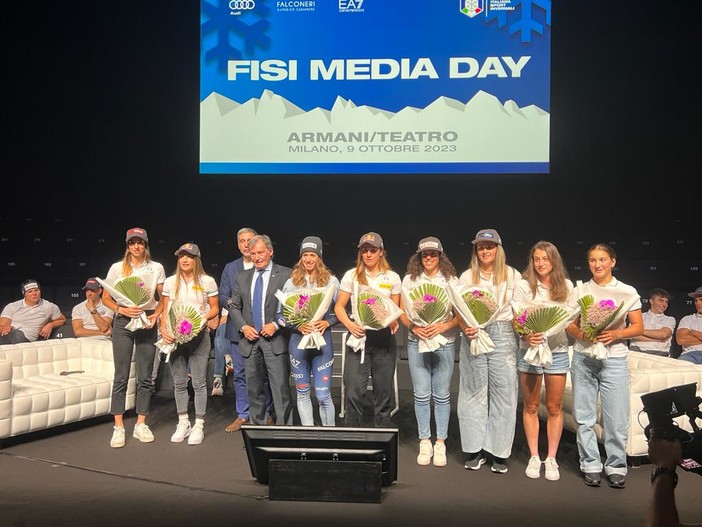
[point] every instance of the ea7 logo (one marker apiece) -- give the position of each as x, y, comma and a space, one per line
350, 5
471, 8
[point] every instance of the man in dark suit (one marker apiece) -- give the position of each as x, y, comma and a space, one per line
227, 336
264, 345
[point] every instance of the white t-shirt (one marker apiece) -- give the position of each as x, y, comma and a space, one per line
145, 270
388, 283
617, 348
81, 312
30, 319
558, 342
503, 292
693, 321
191, 294
653, 320
438, 279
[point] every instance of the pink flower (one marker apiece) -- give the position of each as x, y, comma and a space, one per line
369, 301
428, 299
608, 304
302, 301
522, 318
185, 327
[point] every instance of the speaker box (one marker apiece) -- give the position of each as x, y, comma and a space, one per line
309, 480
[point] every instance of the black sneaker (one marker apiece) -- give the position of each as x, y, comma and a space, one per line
475, 462
592, 479
499, 466
617, 481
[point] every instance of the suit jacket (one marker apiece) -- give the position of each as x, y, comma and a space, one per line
226, 290
240, 308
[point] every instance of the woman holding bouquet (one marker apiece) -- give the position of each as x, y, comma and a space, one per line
608, 377
189, 287
372, 271
311, 273
424, 286
545, 281
136, 262
487, 396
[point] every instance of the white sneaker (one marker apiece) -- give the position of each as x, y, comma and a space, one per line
143, 433
217, 390
182, 431
425, 452
533, 469
197, 434
117, 440
551, 473
439, 454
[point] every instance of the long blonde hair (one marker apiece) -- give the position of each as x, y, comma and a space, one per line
198, 273
558, 290
319, 277
501, 272
127, 259
383, 266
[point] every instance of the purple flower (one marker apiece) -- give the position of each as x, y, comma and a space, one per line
369, 301
428, 299
302, 301
140, 284
608, 304
185, 327
522, 318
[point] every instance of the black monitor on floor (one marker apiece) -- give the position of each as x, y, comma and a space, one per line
319, 443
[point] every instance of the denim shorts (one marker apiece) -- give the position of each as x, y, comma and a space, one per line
561, 364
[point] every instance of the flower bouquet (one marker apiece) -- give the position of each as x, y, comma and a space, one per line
549, 319
306, 306
601, 309
426, 304
184, 324
477, 306
372, 310
132, 291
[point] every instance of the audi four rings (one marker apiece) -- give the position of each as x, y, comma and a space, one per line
236, 5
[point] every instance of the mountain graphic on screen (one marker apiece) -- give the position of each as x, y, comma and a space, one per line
271, 129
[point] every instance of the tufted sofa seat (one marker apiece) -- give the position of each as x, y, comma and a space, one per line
647, 373
34, 394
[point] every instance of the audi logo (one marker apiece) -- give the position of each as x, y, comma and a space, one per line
236, 5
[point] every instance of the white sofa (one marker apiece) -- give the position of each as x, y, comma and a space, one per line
34, 395
647, 373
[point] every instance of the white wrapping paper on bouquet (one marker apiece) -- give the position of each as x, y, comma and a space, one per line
549, 318
371, 309
590, 296
426, 304
132, 291
306, 306
477, 312
184, 324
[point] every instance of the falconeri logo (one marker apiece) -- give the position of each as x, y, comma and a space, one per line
237, 6
351, 6
295, 5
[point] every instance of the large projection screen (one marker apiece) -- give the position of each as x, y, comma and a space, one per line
374, 86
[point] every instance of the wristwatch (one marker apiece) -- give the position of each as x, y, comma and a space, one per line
667, 471
93, 312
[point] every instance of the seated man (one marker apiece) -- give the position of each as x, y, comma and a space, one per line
658, 327
30, 318
689, 334
92, 318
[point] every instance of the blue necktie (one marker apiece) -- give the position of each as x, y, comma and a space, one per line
257, 302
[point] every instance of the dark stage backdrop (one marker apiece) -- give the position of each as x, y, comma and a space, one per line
100, 116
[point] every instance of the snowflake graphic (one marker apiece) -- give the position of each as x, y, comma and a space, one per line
228, 27
525, 25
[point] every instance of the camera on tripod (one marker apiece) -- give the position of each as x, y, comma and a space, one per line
663, 407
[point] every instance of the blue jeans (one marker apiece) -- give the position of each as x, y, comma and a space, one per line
695, 357
431, 378
487, 395
191, 357
223, 346
319, 363
609, 378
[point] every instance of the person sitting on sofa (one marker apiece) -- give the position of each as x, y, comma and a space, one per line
658, 327
30, 318
689, 334
92, 318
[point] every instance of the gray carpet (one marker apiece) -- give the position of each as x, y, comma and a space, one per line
70, 476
